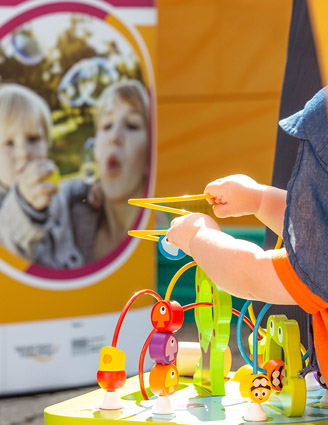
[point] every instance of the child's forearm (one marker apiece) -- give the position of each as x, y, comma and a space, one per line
272, 208
239, 267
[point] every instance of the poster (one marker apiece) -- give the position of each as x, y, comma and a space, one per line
78, 139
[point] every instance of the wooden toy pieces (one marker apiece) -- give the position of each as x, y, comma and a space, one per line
111, 376
163, 381
275, 372
282, 359
278, 384
258, 389
163, 347
283, 341
166, 317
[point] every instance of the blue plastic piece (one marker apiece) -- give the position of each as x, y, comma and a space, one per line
256, 368
169, 251
239, 340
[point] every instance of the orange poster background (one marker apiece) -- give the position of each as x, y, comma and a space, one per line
220, 67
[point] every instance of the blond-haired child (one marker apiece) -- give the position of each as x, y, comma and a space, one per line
35, 220
122, 152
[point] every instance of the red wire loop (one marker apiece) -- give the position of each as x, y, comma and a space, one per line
127, 306
141, 364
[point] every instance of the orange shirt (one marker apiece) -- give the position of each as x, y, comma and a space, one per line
309, 302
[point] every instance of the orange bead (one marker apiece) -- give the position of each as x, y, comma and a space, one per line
275, 372
164, 379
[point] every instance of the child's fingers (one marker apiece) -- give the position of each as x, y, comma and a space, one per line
211, 201
213, 189
44, 189
169, 237
222, 210
42, 202
175, 221
46, 170
38, 170
40, 195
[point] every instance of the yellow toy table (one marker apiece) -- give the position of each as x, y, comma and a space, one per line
191, 404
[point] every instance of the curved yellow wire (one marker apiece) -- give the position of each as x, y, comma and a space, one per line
261, 331
149, 235
151, 203
176, 277
279, 242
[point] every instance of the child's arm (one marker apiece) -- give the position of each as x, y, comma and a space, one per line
239, 195
272, 208
239, 267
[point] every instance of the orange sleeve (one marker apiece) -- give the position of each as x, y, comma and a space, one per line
309, 302
306, 299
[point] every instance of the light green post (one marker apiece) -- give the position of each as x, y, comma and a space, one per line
213, 326
283, 343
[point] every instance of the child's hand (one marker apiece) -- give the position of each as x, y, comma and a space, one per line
95, 196
32, 184
184, 228
235, 196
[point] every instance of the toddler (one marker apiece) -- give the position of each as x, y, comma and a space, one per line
296, 274
35, 220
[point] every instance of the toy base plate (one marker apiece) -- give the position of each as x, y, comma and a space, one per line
192, 405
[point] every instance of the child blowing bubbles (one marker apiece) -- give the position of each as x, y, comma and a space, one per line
122, 149
296, 274
35, 220
24, 139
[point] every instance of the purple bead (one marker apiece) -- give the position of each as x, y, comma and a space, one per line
163, 347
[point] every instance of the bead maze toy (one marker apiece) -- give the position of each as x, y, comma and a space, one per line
267, 388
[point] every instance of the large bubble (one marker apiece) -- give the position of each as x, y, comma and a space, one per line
83, 82
25, 47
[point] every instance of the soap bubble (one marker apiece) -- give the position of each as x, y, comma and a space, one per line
89, 169
26, 48
84, 81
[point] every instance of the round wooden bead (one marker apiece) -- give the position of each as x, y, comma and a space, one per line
163, 347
